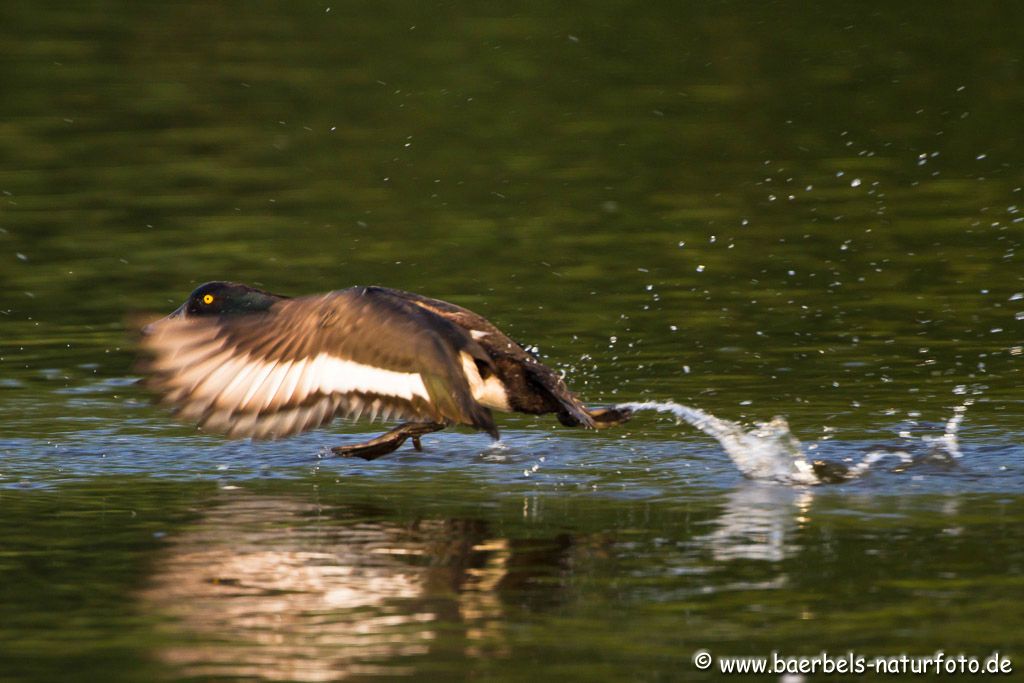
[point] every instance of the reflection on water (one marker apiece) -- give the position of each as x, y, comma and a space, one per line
278, 588
304, 580
758, 522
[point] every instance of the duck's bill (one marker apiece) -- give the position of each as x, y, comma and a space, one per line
176, 314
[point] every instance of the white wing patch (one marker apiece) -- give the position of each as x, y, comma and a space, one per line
344, 376
245, 395
489, 392
255, 385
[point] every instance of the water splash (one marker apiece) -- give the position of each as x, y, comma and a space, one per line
948, 444
940, 449
769, 451
496, 451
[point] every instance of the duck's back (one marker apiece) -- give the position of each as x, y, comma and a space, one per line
529, 385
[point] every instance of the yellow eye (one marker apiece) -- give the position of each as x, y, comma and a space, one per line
208, 298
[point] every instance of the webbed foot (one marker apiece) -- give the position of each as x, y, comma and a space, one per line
388, 442
610, 417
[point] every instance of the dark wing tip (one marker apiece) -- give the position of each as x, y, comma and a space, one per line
483, 419
472, 412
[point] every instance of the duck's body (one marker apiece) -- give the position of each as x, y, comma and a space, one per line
250, 363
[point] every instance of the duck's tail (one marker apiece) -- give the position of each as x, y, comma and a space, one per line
570, 411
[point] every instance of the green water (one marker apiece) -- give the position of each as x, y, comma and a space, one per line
754, 209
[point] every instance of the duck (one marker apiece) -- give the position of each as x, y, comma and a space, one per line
247, 363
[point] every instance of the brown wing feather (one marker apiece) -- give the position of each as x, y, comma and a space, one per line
294, 367
517, 367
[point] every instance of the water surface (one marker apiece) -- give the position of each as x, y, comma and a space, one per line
755, 211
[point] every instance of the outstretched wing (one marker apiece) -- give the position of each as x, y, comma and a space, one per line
360, 351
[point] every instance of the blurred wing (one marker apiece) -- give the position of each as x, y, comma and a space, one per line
294, 367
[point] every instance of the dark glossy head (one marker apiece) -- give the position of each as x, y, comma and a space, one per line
225, 298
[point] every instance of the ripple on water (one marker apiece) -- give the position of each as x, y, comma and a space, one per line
639, 460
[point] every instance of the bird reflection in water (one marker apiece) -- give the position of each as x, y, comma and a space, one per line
277, 588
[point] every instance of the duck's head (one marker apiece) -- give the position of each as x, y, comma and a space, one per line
225, 298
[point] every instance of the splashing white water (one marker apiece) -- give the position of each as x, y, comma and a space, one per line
769, 451
949, 444
945, 448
